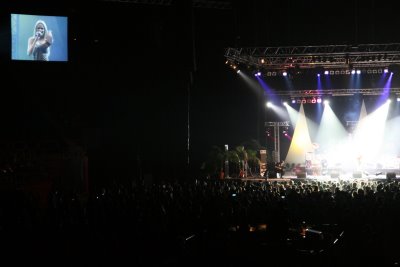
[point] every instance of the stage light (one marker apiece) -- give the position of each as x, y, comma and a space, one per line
353, 71
326, 102
319, 100
326, 72
293, 101
284, 73
398, 99
385, 70
358, 71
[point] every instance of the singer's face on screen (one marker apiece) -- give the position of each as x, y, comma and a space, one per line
40, 29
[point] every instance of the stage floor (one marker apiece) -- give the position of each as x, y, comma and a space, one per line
341, 177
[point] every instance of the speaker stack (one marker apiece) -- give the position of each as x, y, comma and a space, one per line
390, 176
334, 174
301, 172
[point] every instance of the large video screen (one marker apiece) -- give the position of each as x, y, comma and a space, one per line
39, 38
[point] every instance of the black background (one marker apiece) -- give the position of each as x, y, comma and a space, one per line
137, 71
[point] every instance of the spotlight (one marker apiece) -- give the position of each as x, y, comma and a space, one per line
385, 70
294, 101
326, 72
326, 102
284, 73
353, 71
319, 100
358, 71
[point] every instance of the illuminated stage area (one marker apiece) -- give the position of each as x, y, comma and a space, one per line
330, 111
323, 145
326, 133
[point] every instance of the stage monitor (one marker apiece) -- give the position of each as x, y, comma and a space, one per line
39, 38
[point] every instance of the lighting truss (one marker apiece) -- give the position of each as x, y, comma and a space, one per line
277, 123
335, 92
310, 57
277, 142
195, 3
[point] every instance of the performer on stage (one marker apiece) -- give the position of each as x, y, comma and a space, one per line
39, 43
280, 169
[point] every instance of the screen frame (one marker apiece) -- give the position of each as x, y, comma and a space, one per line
22, 28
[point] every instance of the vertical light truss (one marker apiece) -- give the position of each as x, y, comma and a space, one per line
277, 141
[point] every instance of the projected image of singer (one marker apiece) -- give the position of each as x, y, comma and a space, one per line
39, 44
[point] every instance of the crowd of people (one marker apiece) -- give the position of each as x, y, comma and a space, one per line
171, 223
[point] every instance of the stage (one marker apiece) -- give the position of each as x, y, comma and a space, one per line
351, 176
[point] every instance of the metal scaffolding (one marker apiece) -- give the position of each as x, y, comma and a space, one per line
276, 156
195, 3
310, 57
335, 92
